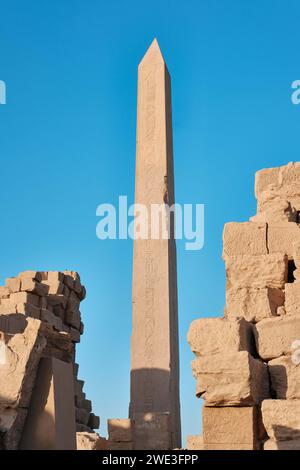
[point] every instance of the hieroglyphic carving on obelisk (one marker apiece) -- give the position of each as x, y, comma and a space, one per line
155, 404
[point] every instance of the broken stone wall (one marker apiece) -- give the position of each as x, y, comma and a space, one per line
247, 363
39, 317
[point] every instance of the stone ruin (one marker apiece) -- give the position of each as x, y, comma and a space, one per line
247, 364
42, 402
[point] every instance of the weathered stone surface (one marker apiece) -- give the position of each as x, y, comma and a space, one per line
264, 178
54, 287
17, 374
4, 292
52, 319
292, 298
275, 210
253, 304
231, 425
90, 441
281, 237
50, 423
270, 444
11, 426
246, 238
13, 284
209, 336
256, 271
112, 445
29, 285
274, 336
196, 443
284, 186
29, 310
120, 430
285, 377
281, 419
94, 421
21, 298
82, 416
12, 324
152, 431
154, 341
231, 379
35, 275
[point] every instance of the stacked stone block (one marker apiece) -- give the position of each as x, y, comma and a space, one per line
39, 317
120, 435
251, 388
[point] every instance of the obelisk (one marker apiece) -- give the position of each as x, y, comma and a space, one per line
154, 401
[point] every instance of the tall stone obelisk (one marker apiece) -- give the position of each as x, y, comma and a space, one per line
155, 403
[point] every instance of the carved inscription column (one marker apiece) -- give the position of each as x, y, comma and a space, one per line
154, 345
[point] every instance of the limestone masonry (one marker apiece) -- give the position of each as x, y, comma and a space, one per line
42, 402
247, 364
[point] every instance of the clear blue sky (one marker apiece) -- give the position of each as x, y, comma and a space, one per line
68, 144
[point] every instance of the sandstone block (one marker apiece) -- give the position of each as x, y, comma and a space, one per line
55, 277
119, 430
54, 287
285, 377
281, 419
94, 421
21, 298
72, 318
270, 444
28, 309
264, 178
52, 319
12, 324
231, 425
209, 336
55, 300
33, 275
90, 441
29, 285
246, 238
274, 210
79, 384
274, 336
87, 404
69, 281
75, 335
257, 271
253, 304
8, 308
82, 428
281, 238
13, 284
232, 379
194, 442
82, 416
292, 298
4, 292
82, 293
